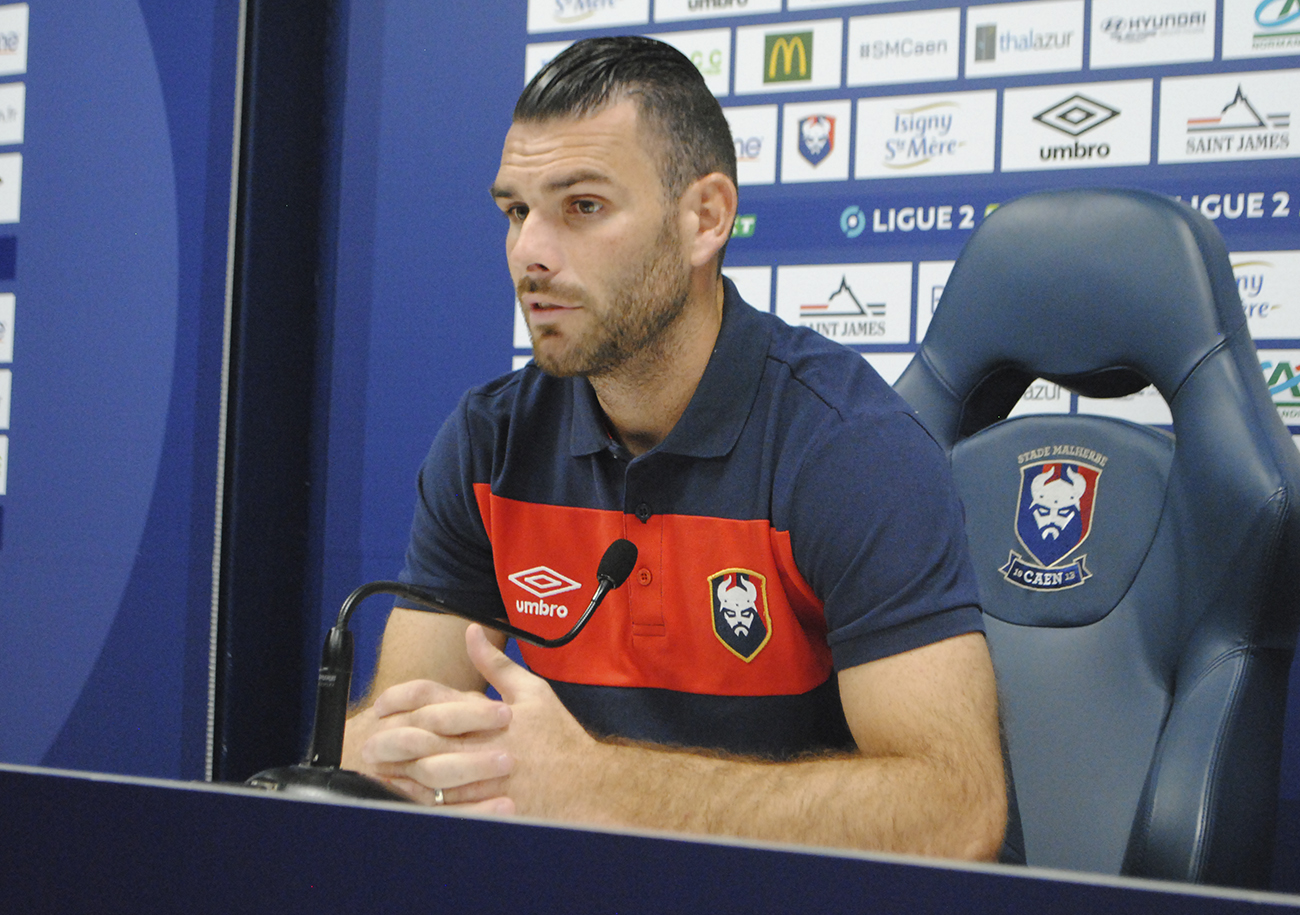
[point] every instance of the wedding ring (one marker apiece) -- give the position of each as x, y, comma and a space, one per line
438, 799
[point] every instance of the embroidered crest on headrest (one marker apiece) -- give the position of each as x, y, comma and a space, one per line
1053, 518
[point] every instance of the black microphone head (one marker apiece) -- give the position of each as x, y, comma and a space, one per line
616, 565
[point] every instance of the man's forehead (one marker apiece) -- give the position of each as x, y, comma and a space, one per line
619, 122
608, 141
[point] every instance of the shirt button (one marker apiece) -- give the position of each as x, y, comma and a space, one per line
643, 576
643, 513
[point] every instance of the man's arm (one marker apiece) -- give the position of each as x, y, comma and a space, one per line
927, 777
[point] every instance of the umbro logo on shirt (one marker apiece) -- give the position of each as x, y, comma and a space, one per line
542, 581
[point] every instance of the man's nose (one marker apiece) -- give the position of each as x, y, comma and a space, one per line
536, 248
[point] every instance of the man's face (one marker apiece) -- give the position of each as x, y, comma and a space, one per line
596, 254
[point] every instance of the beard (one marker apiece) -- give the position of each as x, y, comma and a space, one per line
650, 296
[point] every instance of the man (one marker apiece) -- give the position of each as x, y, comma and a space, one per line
761, 471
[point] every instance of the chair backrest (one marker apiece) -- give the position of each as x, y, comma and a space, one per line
1138, 585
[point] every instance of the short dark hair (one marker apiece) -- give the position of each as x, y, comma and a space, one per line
673, 101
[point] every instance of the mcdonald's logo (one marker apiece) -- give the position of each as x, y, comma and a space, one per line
788, 57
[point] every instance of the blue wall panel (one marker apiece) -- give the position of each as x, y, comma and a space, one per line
119, 284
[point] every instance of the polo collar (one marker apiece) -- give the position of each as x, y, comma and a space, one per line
720, 405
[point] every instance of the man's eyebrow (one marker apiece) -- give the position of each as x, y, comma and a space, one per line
582, 177
558, 184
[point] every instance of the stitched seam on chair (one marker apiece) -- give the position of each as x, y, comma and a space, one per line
1274, 545
934, 370
1201, 849
1222, 344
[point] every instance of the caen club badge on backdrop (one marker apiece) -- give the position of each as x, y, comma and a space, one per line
816, 137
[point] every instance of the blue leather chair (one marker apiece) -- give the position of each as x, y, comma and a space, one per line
1140, 588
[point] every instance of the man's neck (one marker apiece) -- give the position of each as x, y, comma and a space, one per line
643, 400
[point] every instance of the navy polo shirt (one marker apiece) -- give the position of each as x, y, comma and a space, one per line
796, 521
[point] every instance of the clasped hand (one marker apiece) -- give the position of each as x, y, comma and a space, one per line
481, 755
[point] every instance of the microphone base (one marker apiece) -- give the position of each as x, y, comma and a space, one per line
323, 784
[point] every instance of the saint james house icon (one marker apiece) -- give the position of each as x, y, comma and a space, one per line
1238, 114
541, 581
842, 302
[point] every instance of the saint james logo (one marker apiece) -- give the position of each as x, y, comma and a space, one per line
1053, 518
1238, 114
842, 302
741, 620
541, 581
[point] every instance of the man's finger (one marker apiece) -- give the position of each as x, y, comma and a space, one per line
413, 694
461, 777
454, 770
486, 798
401, 745
467, 716
508, 678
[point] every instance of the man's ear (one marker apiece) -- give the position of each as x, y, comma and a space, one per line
711, 203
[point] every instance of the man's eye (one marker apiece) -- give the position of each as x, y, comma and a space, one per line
517, 212
586, 207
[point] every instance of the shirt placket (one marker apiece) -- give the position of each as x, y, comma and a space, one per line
643, 525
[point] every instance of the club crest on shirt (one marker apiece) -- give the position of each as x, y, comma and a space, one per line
741, 620
1053, 519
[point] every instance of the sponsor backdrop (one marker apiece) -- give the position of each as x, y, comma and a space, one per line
116, 120
872, 139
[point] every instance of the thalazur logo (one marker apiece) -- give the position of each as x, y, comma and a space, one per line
988, 43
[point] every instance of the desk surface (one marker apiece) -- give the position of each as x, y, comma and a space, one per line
79, 842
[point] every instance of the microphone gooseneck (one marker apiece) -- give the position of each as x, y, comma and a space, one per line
321, 774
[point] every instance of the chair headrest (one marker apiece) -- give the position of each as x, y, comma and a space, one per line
1113, 289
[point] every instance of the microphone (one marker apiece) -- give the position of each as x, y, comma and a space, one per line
321, 776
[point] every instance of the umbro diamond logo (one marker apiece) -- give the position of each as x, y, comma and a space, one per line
541, 581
